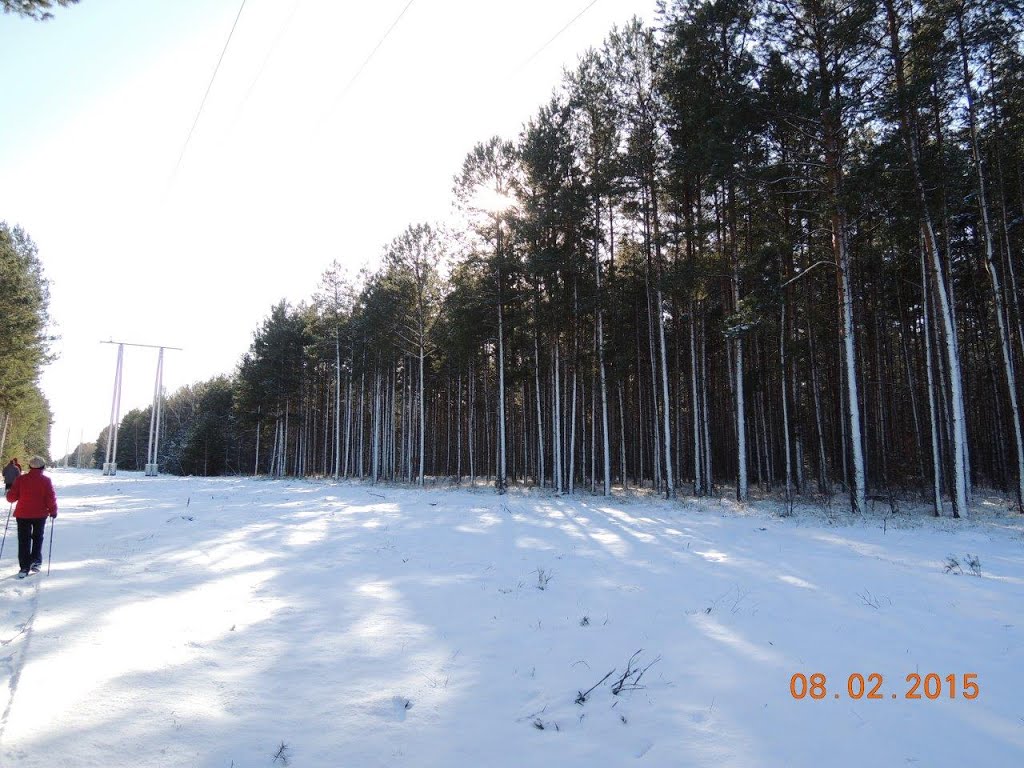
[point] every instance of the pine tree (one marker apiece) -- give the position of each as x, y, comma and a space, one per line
34, 9
485, 189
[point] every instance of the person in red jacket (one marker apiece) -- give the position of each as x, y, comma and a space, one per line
36, 501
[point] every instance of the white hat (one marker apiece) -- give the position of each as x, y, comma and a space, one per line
37, 462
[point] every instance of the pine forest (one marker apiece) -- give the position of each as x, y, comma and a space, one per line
24, 345
759, 247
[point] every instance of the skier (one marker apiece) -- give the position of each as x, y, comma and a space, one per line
11, 473
36, 500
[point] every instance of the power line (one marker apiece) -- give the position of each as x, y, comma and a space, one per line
572, 21
367, 61
273, 47
208, 87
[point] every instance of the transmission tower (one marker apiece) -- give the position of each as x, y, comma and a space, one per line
110, 464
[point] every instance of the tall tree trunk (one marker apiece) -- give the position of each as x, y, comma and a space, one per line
458, 433
337, 405
1012, 286
742, 483
500, 479
259, 424
698, 461
839, 230
604, 387
362, 418
933, 416
556, 418
709, 478
272, 467
785, 400
540, 417
997, 293
824, 486
471, 431
377, 412
623, 473
656, 432
348, 424
670, 487
423, 413
908, 124
572, 427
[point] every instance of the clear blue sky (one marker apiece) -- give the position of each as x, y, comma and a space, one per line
285, 171
54, 70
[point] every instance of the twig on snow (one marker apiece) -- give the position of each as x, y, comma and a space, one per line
630, 680
581, 698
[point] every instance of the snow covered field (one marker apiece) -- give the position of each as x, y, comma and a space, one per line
195, 622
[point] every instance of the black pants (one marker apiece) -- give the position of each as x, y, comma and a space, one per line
30, 542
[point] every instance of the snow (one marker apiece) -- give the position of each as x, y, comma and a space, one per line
208, 622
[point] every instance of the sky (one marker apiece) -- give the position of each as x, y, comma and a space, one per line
311, 147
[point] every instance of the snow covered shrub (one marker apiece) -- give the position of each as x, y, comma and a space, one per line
282, 754
788, 502
543, 577
974, 563
630, 679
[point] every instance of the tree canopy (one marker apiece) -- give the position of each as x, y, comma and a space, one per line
34, 9
24, 344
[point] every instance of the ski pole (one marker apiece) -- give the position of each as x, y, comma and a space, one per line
3, 541
53, 525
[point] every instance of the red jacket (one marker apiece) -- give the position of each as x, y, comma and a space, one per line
34, 494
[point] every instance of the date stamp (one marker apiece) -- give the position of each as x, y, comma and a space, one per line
872, 686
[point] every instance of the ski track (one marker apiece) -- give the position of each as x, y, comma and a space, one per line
14, 662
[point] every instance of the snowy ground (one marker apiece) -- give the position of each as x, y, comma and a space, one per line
191, 622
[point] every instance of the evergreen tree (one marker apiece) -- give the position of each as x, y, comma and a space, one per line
34, 9
485, 188
270, 377
24, 345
